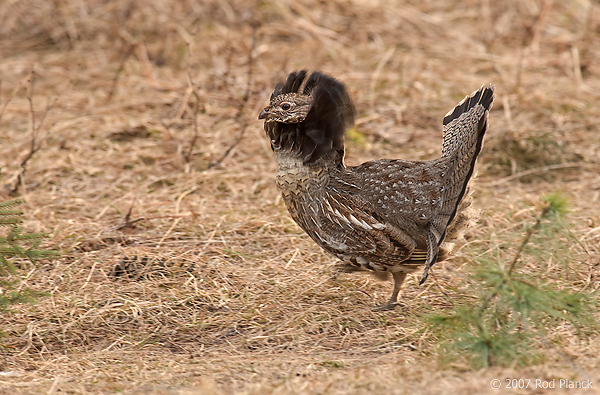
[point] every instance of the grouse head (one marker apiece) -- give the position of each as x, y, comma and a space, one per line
287, 108
308, 116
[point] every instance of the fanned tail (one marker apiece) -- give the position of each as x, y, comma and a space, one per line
463, 131
464, 128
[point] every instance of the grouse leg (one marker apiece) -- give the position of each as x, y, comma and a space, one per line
399, 278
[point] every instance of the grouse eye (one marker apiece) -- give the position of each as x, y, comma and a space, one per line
286, 106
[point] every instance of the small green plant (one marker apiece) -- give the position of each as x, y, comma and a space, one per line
16, 247
504, 321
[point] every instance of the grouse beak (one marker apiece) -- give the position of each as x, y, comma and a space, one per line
263, 114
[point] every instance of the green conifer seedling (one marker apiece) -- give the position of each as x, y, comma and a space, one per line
505, 319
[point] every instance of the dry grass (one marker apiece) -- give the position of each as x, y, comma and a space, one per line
181, 270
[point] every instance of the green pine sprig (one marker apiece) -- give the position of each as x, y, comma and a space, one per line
507, 319
15, 247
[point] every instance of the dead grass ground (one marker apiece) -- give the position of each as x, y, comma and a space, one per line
209, 287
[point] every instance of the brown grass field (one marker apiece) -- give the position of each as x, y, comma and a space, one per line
180, 269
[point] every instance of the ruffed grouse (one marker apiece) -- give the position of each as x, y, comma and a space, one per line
388, 215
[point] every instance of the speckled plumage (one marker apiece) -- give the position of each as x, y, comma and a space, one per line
388, 215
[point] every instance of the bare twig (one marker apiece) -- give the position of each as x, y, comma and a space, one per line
115, 81
128, 222
239, 117
188, 155
530, 233
36, 141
